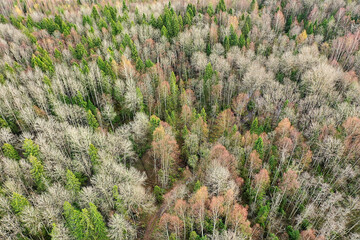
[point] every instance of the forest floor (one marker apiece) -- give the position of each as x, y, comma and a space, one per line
146, 165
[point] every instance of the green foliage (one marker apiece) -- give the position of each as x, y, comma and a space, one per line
208, 72
174, 89
72, 183
30, 148
154, 122
10, 152
197, 186
254, 126
139, 64
93, 123
93, 153
79, 51
99, 230
192, 161
159, 194
293, 234
221, 6
273, 237
37, 172
57, 54
263, 214
253, 4
226, 44
43, 61
18, 202
305, 224
119, 202
85, 224
3, 123
194, 236
233, 38
164, 32
148, 63
210, 10
3, 19
247, 27
94, 13
259, 147
273, 163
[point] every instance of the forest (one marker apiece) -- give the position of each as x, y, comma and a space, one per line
199, 120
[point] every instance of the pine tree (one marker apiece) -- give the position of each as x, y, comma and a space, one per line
10, 152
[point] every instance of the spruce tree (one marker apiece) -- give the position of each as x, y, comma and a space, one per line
93, 153
221, 6
99, 230
37, 172
30, 148
93, 123
72, 183
233, 37
10, 152
18, 202
259, 147
254, 126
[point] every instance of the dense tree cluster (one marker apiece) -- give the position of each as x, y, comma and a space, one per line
180, 120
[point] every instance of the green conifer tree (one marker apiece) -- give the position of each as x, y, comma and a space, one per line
233, 37
254, 126
18, 202
10, 152
72, 183
30, 148
99, 230
37, 172
93, 123
259, 147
